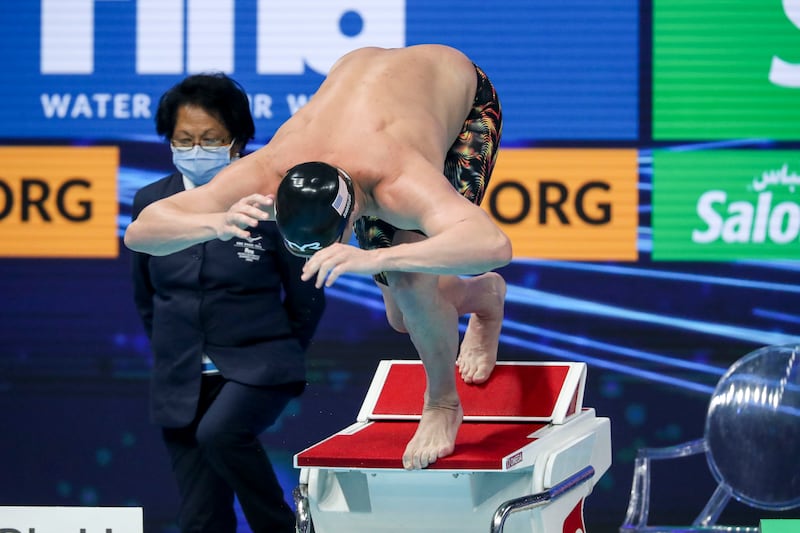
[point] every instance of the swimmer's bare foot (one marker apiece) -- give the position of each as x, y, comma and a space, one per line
435, 436
478, 353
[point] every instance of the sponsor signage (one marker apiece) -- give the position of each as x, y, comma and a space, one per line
579, 204
58, 201
726, 205
776, 525
95, 69
71, 519
726, 70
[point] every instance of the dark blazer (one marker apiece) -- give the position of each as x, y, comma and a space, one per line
241, 302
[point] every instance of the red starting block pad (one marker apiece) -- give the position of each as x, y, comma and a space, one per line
525, 430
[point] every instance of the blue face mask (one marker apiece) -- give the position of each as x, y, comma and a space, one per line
201, 164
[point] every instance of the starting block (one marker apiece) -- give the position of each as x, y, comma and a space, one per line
526, 457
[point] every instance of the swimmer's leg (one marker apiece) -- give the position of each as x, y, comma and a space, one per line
415, 304
432, 324
483, 297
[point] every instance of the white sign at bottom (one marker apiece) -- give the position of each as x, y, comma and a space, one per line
71, 520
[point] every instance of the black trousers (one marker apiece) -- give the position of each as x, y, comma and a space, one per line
219, 455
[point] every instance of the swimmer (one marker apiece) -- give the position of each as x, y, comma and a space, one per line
397, 145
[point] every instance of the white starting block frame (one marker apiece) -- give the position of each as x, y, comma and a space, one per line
526, 457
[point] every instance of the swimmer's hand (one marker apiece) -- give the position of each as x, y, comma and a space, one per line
333, 261
246, 213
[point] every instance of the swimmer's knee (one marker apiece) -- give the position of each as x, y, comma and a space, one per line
409, 282
393, 313
395, 319
410, 290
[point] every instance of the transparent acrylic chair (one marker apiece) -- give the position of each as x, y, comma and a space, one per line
751, 443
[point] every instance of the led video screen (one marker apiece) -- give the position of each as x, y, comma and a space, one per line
647, 177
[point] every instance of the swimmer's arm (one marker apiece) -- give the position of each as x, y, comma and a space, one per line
222, 209
461, 238
464, 244
461, 241
170, 225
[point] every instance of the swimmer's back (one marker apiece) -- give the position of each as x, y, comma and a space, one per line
418, 95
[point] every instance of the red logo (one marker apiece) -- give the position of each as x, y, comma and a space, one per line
514, 460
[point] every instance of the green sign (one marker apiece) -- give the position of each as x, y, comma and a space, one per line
726, 205
726, 69
780, 526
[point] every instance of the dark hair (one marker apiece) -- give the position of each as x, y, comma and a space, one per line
217, 94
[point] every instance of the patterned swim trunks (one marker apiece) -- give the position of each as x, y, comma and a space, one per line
468, 164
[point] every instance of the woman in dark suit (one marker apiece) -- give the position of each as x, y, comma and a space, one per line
229, 323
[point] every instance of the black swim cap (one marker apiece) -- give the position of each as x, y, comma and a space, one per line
313, 206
